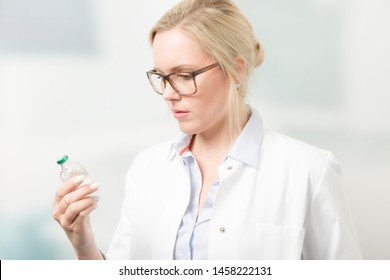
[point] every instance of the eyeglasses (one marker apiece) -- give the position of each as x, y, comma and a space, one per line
183, 82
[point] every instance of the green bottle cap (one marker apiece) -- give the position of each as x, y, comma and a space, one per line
64, 158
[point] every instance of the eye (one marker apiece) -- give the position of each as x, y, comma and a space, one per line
184, 76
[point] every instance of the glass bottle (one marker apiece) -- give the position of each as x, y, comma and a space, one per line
71, 168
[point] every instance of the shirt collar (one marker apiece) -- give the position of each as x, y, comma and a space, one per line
179, 145
246, 149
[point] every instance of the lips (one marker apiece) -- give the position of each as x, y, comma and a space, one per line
180, 114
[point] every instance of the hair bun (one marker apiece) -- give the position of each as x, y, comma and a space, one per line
259, 53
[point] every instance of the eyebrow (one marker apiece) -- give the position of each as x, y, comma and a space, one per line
187, 67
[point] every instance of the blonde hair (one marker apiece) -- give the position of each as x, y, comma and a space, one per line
225, 34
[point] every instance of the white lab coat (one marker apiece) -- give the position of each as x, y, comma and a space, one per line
290, 207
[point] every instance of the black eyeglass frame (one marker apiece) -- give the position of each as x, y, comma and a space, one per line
166, 78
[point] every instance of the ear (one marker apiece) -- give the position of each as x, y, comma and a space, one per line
242, 67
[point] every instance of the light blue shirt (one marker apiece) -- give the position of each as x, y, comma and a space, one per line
192, 236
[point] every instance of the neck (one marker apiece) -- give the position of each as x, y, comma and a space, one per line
215, 142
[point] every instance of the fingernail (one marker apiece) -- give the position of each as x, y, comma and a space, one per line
78, 179
96, 198
95, 186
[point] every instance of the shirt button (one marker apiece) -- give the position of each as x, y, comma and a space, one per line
184, 162
222, 230
229, 167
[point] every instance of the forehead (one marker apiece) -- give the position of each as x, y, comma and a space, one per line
173, 48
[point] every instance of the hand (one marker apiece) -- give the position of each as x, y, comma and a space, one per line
72, 205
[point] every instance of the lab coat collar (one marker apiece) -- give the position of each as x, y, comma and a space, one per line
246, 149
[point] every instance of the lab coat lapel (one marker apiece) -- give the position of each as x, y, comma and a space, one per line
177, 194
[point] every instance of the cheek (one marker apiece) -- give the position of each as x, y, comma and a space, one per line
213, 107
214, 91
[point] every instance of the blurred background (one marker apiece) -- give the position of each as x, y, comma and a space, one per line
72, 81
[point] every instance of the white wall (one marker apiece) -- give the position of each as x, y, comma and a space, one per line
324, 80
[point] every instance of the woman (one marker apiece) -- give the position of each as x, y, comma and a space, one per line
227, 188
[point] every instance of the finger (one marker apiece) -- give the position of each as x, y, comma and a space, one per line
79, 219
76, 195
78, 208
68, 186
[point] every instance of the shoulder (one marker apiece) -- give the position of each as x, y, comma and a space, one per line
286, 146
149, 165
154, 154
291, 155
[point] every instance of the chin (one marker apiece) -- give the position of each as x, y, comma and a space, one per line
188, 129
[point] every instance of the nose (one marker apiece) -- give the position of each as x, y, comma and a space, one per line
170, 93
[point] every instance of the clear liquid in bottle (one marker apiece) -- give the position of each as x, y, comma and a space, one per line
70, 169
